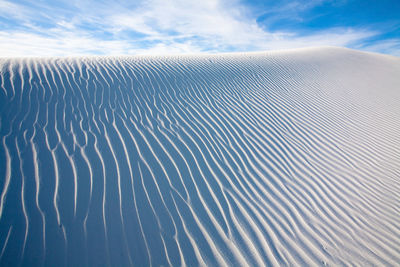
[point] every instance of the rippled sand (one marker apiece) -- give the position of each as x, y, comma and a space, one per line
253, 159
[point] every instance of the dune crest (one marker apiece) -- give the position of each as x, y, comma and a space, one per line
253, 159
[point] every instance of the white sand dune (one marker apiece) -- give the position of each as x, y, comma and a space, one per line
254, 159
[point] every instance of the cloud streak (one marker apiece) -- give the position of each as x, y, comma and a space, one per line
152, 27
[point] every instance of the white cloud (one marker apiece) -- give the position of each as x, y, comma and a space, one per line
12, 10
153, 26
27, 44
389, 46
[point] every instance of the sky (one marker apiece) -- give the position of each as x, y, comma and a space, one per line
119, 27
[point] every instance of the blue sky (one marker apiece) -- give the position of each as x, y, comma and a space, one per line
82, 27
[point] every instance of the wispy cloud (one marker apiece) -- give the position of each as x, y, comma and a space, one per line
388, 46
156, 27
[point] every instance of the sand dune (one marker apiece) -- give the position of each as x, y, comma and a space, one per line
253, 159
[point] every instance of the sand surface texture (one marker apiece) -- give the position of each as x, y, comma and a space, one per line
253, 159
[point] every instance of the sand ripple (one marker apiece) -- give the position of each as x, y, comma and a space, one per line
281, 158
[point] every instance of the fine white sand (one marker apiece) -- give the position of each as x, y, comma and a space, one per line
253, 159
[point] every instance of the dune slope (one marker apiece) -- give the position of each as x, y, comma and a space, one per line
279, 158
